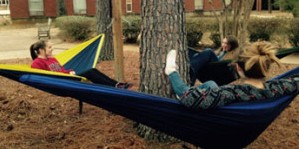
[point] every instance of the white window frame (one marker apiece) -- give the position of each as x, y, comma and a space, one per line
198, 4
129, 4
79, 7
4, 2
36, 7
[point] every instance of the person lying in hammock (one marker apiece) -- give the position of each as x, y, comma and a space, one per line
199, 60
41, 54
252, 65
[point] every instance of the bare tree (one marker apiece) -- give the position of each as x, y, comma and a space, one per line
269, 6
239, 12
104, 25
162, 29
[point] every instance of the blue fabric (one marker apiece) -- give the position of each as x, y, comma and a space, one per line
231, 126
84, 61
199, 60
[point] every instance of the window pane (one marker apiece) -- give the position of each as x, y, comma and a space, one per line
36, 7
79, 6
198, 4
129, 5
227, 2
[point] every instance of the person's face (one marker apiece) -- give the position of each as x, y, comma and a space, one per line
48, 49
225, 45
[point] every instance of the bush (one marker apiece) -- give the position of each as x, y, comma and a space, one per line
204, 24
76, 27
294, 32
131, 28
215, 37
263, 28
194, 34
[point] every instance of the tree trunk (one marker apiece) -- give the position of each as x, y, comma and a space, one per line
243, 22
269, 6
162, 29
240, 18
104, 25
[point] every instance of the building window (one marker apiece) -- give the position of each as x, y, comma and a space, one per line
227, 2
79, 6
36, 7
198, 4
4, 2
129, 5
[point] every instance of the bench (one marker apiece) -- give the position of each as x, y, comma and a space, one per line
44, 29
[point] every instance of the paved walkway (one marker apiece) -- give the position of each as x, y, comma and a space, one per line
15, 43
291, 59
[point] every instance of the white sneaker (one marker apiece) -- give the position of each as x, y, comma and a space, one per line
170, 62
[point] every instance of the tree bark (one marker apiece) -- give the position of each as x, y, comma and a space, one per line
104, 26
162, 29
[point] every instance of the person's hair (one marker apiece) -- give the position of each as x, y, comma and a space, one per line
256, 59
232, 41
34, 48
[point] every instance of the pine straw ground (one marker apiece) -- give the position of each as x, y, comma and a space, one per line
30, 118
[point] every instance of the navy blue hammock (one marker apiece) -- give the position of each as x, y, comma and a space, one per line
232, 126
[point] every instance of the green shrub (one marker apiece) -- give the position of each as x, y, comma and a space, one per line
131, 28
204, 24
194, 34
263, 28
294, 32
76, 27
259, 36
215, 37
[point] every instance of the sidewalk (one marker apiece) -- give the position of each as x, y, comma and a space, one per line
15, 43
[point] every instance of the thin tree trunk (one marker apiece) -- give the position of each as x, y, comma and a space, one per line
162, 29
104, 26
269, 6
246, 11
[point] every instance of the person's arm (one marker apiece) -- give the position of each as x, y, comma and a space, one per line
221, 55
206, 99
216, 97
39, 65
284, 86
62, 69
69, 71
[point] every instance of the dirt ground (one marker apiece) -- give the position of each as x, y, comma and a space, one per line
30, 118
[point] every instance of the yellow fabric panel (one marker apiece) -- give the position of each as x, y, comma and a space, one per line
27, 69
67, 55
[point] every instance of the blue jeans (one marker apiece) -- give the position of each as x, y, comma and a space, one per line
198, 60
180, 87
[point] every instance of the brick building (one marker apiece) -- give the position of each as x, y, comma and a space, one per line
50, 8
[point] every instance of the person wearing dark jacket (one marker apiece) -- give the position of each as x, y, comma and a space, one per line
252, 65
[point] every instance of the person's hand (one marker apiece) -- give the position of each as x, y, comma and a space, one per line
72, 72
226, 49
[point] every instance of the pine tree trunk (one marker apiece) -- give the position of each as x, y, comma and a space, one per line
162, 29
104, 25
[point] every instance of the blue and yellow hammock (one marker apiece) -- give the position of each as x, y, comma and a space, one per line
81, 58
231, 126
